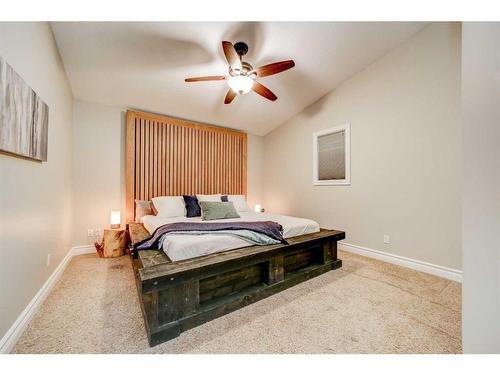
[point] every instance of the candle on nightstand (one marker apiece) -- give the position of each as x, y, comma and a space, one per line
115, 219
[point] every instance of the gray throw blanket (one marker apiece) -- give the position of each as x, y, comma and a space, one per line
268, 228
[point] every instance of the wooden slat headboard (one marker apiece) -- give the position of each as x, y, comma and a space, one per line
168, 156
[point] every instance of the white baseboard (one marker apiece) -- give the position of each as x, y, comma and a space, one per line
79, 250
433, 269
15, 331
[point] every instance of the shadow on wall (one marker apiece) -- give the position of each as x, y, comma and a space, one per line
161, 52
143, 47
316, 107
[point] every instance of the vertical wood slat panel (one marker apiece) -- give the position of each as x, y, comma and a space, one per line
146, 163
226, 164
159, 163
215, 159
154, 190
194, 150
180, 158
163, 160
174, 160
194, 167
222, 161
237, 184
143, 159
158, 160
171, 160
216, 162
211, 165
231, 167
208, 168
137, 151
204, 161
151, 160
235, 161
215, 187
167, 156
187, 162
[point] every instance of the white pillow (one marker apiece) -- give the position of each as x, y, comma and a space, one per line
170, 206
209, 198
239, 202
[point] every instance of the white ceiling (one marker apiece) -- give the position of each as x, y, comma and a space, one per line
143, 65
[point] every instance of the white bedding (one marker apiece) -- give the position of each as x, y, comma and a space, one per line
185, 246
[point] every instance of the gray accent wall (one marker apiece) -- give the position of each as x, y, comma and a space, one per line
406, 145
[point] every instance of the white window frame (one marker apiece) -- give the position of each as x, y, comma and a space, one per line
347, 180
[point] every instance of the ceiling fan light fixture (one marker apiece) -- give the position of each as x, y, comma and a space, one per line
240, 84
241, 76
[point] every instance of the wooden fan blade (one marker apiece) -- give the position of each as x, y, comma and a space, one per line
207, 78
274, 68
232, 56
264, 91
229, 96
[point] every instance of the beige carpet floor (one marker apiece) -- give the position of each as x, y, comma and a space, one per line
365, 307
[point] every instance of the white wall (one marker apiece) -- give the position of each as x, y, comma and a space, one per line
35, 198
99, 167
404, 112
481, 191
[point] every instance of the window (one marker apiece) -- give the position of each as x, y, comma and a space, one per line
331, 159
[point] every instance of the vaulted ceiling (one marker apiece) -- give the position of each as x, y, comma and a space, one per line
143, 65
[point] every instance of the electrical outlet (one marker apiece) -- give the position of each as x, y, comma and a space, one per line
48, 260
387, 239
90, 232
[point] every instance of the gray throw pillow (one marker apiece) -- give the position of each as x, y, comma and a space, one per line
217, 210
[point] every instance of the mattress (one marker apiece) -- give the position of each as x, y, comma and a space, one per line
185, 246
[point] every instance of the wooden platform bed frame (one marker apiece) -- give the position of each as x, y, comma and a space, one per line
168, 156
177, 296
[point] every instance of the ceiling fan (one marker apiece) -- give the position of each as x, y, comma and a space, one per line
242, 76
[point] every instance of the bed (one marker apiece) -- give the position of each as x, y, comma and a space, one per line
184, 246
192, 279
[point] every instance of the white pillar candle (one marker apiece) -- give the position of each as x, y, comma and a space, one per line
115, 219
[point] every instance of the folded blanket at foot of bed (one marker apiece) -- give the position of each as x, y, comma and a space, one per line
256, 232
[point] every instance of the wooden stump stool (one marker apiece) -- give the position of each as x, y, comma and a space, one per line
114, 243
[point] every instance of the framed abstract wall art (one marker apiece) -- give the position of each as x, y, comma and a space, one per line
24, 117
